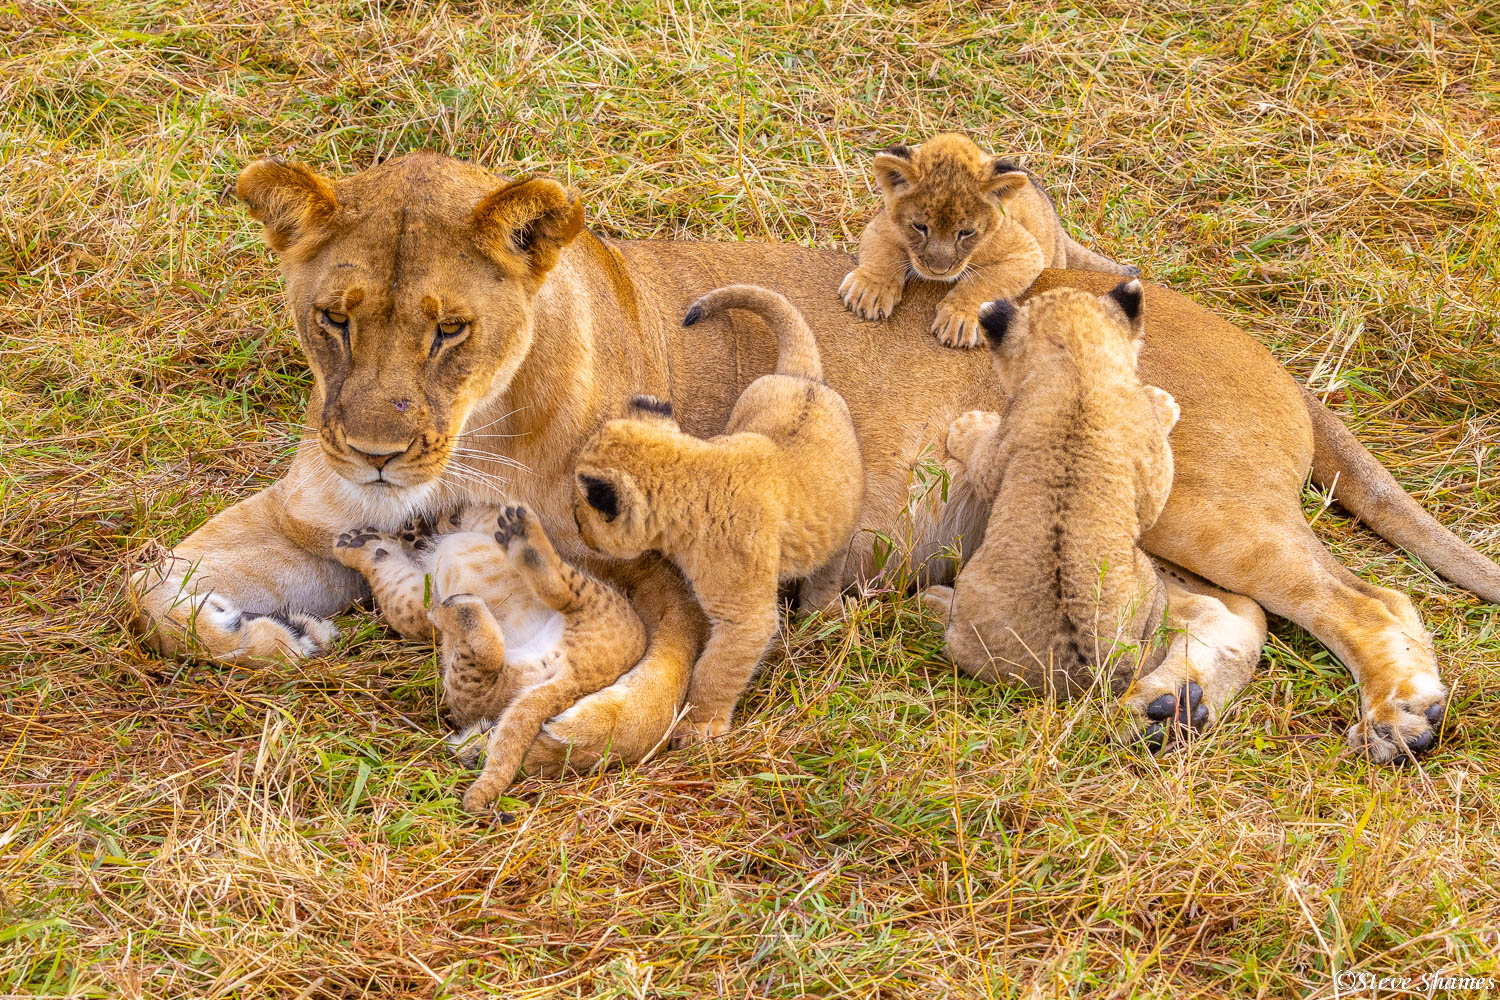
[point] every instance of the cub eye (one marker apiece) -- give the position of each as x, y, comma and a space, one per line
964, 234
920, 227
339, 321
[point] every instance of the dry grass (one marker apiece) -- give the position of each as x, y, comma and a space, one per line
1325, 174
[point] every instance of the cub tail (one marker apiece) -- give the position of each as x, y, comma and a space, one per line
1370, 493
796, 348
1081, 258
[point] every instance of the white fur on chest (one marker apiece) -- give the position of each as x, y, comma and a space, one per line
471, 563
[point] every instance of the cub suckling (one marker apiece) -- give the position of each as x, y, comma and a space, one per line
1077, 467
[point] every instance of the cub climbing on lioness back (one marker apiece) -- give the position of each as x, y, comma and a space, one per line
523, 634
954, 213
773, 498
1077, 468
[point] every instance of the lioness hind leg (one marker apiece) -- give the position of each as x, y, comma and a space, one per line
1216, 643
1374, 631
396, 580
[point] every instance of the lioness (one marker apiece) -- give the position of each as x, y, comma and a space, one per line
1059, 590
560, 327
955, 214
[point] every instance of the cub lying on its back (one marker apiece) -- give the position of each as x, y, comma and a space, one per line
956, 214
1078, 467
773, 498
523, 634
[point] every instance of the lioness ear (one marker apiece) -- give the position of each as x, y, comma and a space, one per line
894, 170
1006, 180
534, 217
995, 319
288, 198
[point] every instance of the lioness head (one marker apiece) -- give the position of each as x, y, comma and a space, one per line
945, 196
411, 285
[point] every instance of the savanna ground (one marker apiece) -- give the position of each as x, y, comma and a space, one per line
1324, 174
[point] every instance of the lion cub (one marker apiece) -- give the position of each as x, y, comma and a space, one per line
773, 498
954, 213
1077, 468
523, 634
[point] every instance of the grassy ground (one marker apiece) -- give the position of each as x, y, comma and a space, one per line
1324, 174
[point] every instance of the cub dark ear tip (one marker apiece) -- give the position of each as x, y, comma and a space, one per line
900, 149
995, 318
694, 314
1128, 295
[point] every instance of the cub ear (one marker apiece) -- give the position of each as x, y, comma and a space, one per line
894, 170
1006, 179
601, 495
534, 218
1127, 295
650, 408
288, 198
995, 319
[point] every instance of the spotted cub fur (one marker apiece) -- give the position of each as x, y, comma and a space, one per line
954, 213
773, 498
1077, 468
523, 634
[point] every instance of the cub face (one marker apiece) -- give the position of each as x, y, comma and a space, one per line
613, 503
944, 198
1065, 326
410, 310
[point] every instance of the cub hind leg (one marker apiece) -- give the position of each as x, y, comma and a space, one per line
396, 579
476, 683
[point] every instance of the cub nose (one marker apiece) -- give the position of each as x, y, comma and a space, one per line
375, 456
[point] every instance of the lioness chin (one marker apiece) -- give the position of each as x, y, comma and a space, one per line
466, 336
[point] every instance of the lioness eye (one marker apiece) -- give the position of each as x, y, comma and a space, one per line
451, 328
920, 227
335, 319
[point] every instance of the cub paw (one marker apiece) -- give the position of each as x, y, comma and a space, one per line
359, 547
416, 532
1164, 406
690, 731
481, 795
1401, 730
456, 615
867, 297
467, 745
955, 327
513, 525
967, 431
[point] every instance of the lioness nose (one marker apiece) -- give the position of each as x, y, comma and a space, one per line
376, 459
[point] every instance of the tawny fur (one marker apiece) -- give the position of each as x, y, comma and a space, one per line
771, 499
523, 634
955, 214
567, 327
1059, 594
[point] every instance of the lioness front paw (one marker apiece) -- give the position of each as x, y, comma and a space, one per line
867, 297
956, 327
690, 731
1401, 730
968, 431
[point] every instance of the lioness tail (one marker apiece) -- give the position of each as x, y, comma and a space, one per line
796, 348
1370, 493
